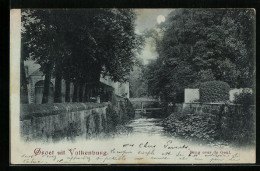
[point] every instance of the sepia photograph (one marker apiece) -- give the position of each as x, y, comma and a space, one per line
132, 86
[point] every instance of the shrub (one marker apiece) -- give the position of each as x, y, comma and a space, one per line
245, 98
214, 91
113, 119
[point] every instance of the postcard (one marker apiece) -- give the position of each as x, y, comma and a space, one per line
132, 86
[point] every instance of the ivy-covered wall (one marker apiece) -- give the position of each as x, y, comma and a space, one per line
53, 122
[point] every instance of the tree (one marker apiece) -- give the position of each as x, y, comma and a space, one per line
81, 45
137, 81
23, 82
45, 44
202, 45
107, 41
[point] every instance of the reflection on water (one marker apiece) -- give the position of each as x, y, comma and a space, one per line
144, 129
148, 126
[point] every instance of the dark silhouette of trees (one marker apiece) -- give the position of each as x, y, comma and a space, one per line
79, 46
137, 81
45, 44
202, 45
23, 87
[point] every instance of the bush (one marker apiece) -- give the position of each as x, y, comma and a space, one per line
245, 98
113, 119
214, 91
229, 124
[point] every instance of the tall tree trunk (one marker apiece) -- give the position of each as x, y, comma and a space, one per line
96, 78
67, 94
57, 93
97, 89
80, 92
86, 94
58, 79
23, 82
75, 92
46, 88
191, 50
23, 85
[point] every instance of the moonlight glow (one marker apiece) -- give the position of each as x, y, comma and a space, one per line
160, 19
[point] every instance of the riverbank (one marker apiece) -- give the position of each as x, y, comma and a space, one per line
213, 127
191, 126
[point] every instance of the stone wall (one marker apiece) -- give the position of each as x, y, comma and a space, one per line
208, 107
191, 95
51, 122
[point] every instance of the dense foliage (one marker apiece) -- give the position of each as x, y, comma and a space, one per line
229, 124
195, 46
214, 91
246, 98
79, 46
119, 114
137, 81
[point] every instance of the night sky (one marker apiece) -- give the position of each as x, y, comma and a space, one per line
148, 19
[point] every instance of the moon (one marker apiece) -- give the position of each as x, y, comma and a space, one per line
160, 18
